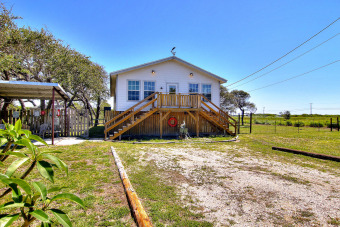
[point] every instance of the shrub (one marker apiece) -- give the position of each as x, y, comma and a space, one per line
31, 199
289, 123
315, 124
334, 125
299, 124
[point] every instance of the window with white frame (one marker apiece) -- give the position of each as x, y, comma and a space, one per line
193, 88
133, 90
149, 88
206, 90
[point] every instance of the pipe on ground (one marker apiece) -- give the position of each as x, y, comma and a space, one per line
314, 155
141, 217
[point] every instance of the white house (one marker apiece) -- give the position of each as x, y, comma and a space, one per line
169, 75
152, 98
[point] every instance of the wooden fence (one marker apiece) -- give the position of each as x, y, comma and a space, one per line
77, 124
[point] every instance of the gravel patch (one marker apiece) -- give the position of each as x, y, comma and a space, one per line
234, 188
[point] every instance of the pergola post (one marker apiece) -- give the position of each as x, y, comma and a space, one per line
53, 115
65, 120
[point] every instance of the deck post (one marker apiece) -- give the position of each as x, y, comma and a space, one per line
160, 124
197, 124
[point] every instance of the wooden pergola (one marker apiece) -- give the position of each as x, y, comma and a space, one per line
34, 90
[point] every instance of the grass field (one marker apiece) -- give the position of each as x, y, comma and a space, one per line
94, 178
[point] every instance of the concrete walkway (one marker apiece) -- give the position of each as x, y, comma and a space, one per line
65, 141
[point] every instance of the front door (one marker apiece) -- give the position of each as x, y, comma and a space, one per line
172, 88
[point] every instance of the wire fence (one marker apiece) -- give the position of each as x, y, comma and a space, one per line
270, 125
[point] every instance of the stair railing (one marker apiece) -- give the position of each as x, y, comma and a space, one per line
131, 112
223, 115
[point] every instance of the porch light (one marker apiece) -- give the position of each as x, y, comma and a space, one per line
153, 72
191, 75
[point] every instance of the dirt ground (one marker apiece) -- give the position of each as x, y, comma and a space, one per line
235, 188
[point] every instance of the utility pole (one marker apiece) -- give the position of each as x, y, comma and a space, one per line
263, 110
311, 108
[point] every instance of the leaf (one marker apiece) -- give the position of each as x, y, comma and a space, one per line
69, 196
18, 125
45, 169
13, 133
8, 220
18, 154
3, 176
51, 152
55, 189
26, 132
61, 217
60, 164
15, 165
41, 188
40, 215
37, 138
44, 224
12, 204
22, 184
3, 141
9, 127
27, 143
16, 193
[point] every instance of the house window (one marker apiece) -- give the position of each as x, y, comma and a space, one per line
133, 90
206, 90
193, 88
149, 88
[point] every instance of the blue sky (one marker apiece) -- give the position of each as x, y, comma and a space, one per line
232, 39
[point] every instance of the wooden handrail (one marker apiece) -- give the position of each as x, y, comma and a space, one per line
131, 108
225, 119
218, 108
128, 116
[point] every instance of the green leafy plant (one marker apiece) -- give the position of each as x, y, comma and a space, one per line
299, 124
34, 201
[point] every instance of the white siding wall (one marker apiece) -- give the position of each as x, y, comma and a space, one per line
166, 72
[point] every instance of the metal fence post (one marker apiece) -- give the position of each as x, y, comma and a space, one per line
238, 128
251, 120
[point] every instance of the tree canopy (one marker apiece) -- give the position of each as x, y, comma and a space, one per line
236, 99
27, 54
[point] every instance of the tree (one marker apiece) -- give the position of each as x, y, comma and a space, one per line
36, 55
240, 100
226, 100
285, 114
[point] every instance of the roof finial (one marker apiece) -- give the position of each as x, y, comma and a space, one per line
173, 52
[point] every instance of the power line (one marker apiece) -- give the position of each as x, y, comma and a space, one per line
296, 76
289, 61
286, 53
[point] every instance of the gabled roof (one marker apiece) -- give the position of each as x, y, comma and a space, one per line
168, 59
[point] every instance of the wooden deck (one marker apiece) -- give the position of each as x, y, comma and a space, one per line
150, 117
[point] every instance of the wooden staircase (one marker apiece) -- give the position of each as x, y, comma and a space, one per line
126, 120
167, 103
219, 118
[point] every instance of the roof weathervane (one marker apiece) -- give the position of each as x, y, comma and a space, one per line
173, 52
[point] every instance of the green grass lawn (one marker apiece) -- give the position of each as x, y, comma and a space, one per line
94, 178
264, 137
93, 175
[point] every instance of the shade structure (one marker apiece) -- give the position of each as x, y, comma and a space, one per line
34, 90
31, 90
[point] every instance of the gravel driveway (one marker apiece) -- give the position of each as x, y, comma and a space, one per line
234, 188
